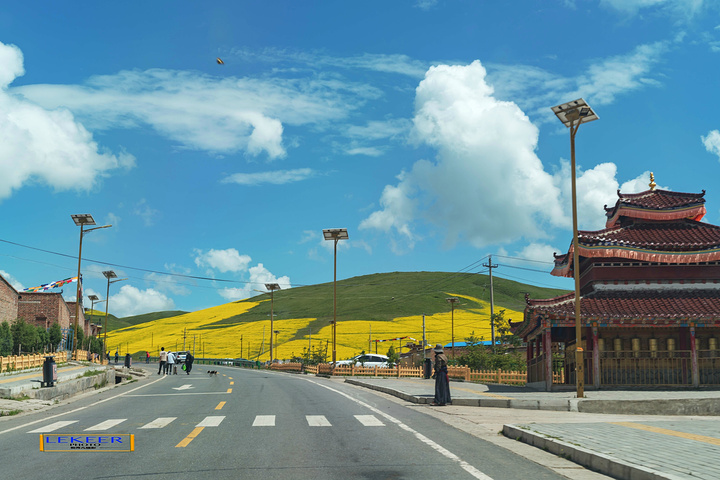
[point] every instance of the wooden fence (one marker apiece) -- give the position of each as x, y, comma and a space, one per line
460, 373
20, 362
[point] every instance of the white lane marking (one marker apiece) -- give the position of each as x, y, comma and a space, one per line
176, 394
369, 420
53, 426
107, 424
211, 421
435, 446
264, 421
79, 409
159, 422
184, 387
317, 421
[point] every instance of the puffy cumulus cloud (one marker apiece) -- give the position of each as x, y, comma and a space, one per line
259, 276
228, 260
712, 142
12, 280
228, 114
539, 252
54, 148
133, 301
486, 185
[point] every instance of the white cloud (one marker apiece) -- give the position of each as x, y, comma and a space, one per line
276, 177
147, 213
227, 114
486, 185
55, 149
133, 301
259, 276
539, 252
686, 9
12, 280
712, 142
535, 89
228, 260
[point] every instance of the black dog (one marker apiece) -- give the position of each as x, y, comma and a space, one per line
212, 372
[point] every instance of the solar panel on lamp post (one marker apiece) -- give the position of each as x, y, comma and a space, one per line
572, 114
272, 287
81, 219
335, 234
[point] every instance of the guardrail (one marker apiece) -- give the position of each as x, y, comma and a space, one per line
462, 373
21, 362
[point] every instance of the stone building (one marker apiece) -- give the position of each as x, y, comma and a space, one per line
8, 302
650, 300
42, 309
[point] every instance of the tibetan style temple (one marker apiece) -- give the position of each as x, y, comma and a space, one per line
650, 300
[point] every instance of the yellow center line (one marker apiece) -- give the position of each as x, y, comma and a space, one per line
230, 378
220, 405
674, 433
229, 390
189, 438
232, 383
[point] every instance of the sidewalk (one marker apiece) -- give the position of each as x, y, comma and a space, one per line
629, 434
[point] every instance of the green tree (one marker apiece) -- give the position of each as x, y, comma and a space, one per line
43, 339
6, 339
393, 357
25, 336
55, 336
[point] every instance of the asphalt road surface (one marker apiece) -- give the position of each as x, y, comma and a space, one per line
252, 424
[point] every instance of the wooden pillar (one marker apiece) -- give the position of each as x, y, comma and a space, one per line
547, 349
537, 346
694, 358
596, 358
528, 351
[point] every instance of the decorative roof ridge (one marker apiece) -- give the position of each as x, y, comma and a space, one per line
670, 193
551, 301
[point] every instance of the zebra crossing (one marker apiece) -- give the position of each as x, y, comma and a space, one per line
209, 421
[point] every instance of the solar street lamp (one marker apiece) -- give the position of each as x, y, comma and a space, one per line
81, 220
572, 114
452, 301
335, 234
272, 287
110, 275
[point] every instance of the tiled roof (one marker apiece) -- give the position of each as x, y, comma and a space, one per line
661, 303
657, 205
681, 235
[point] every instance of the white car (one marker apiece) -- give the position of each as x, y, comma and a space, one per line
368, 360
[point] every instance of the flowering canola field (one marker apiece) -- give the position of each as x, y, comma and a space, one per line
196, 332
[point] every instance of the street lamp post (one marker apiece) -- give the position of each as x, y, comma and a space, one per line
81, 220
272, 287
109, 274
572, 114
335, 234
93, 299
452, 301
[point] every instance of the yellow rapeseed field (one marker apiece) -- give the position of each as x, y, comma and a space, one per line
195, 331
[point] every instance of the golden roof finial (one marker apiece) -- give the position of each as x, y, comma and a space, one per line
652, 184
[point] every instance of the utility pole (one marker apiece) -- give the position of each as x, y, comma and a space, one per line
370, 339
490, 267
424, 345
241, 346
184, 335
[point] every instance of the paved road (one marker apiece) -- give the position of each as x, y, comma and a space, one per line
252, 424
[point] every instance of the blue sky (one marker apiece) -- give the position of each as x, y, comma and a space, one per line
423, 127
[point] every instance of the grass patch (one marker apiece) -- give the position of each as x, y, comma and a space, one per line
101, 384
92, 373
8, 413
21, 398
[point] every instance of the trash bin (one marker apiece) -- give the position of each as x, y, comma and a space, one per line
49, 372
128, 360
427, 368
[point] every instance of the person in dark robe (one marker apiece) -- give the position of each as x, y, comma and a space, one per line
189, 359
442, 382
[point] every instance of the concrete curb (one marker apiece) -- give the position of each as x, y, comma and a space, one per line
598, 462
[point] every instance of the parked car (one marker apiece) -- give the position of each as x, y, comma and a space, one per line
368, 360
180, 356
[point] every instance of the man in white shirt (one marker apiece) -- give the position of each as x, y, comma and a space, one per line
171, 364
163, 361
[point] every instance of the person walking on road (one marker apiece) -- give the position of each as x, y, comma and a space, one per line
147, 356
116, 357
442, 382
163, 361
189, 359
172, 368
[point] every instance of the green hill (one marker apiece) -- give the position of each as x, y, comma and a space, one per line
384, 296
115, 323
